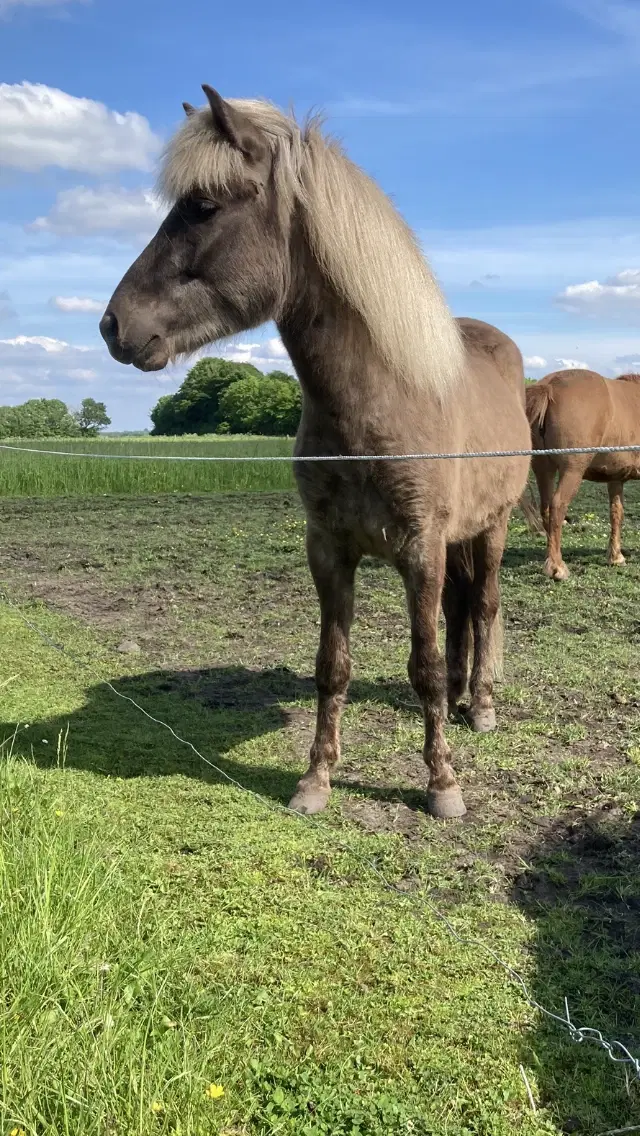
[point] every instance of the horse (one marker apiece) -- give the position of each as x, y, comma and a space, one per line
575, 408
270, 220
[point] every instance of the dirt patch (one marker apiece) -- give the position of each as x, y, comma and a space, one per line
385, 817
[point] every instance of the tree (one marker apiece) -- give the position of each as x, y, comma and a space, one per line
91, 417
38, 418
282, 376
265, 405
194, 408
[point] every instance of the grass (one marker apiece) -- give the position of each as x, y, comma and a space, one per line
162, 932
28, 475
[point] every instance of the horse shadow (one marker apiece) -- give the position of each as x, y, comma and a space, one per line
216, 709
581, 890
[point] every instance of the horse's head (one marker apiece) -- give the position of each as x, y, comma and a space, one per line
218, 264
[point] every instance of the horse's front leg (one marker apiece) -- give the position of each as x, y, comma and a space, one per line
333, 567
423, 572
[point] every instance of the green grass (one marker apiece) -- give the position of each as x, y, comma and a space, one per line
162, 931
28, 475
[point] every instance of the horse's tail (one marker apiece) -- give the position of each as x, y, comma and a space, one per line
538, 397
527, 505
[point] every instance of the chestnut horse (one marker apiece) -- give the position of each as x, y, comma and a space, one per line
271, 221
576, 408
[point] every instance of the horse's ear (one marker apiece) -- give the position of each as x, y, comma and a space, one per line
188, 109
224, 118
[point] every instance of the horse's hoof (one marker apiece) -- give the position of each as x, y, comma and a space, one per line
556, 571
482, 721
445, 803
617, 561
309, 799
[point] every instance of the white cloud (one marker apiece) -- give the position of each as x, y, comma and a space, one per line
77, 304
41, 126
572, 365
535, 361
39, 365
83, 211
274, 349
262, 355
618, 295
39, 343
629, 363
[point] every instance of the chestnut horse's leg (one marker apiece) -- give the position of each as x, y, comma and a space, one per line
423, 573
616, 509
568, 485
545, 476
456, 603
488, 548
333, 569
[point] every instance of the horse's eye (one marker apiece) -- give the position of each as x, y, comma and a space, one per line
193, 209
204, 205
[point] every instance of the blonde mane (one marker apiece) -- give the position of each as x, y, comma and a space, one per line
364, 248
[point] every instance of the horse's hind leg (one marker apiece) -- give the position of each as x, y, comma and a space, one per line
568, 486
488, 548
456, 603
423, 572
616, 510
545, 475
333, 569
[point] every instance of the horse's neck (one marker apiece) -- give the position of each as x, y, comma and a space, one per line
338, 365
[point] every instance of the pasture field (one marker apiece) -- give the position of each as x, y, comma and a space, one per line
178, 956
28, 475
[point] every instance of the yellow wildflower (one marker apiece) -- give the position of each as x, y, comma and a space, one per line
157, 1107
59, 813
214, 1092
17, 1132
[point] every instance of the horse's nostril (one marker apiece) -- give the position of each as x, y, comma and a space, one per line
109, 326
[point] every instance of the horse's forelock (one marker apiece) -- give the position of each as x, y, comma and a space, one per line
199, 158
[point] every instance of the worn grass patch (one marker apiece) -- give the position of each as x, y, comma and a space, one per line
164, 935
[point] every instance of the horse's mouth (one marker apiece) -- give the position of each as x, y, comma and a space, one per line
152, 357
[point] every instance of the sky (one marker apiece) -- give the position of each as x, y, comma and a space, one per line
504, 132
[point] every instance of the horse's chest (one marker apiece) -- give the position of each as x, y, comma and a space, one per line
356, 507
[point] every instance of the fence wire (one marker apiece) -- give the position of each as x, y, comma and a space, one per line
615, 1050
451, 456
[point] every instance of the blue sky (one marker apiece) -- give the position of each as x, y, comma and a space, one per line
505, 133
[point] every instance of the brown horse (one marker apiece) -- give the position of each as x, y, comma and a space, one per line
269, 220
570, 409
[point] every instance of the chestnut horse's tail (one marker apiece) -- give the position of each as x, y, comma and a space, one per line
538, 397
527, 505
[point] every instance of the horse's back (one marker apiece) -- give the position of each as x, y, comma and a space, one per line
570, 408
576, 408
484, 341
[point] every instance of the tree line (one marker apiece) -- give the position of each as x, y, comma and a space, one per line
221, 397
52, 418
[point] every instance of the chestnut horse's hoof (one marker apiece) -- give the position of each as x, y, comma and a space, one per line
309, 799
480, 721
445, 803
556, 571
617, 561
